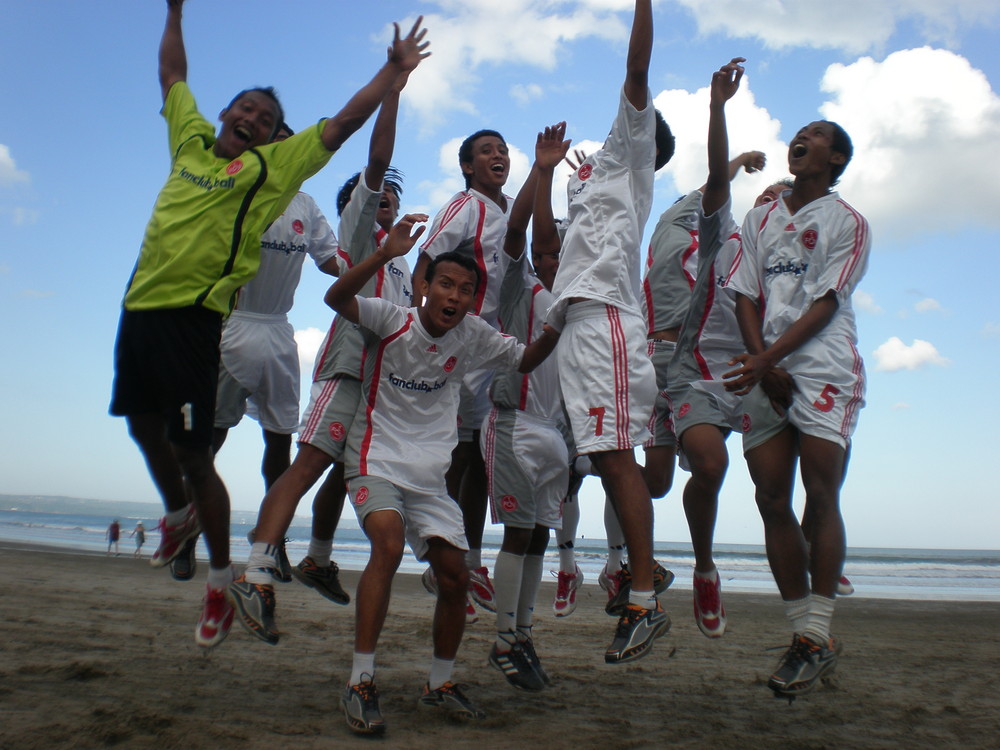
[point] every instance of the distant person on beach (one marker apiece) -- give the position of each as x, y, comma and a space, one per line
201, 245
139, 532
416, 359
803, 383
607, 380
112, 535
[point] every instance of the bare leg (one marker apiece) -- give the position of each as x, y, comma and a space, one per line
385, 531
623, 479
448, 563
705, 448
329, 503
823, 471
279, 504
659, 469
149, 431
277, 457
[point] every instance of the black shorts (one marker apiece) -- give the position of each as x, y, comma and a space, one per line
167, 362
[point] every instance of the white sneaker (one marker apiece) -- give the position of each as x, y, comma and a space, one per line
565, 602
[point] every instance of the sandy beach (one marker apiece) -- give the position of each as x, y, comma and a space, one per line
98, 652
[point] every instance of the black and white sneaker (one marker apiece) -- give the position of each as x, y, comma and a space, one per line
637, 628
451, 697
804, 664
517, 668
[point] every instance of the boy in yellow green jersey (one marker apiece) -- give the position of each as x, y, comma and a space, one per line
202, 243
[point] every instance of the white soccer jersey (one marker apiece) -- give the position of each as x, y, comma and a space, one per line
406, 425
609, 201
788, 262
672, 264
301, 229
340, 352
475, 226
524, 303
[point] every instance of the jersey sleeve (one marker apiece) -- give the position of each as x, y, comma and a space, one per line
183, 118
493, 350
294, 160
357, 222
744, 275
380, 316
323, 243
632, 140
512, 290
450, 227
846, 258
713, 230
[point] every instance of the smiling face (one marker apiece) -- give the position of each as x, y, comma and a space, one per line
771, 193
487, 171
449, 296
811, 152
247, 122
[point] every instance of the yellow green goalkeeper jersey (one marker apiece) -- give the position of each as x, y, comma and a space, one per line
203, 240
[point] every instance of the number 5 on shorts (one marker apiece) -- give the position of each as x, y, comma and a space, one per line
825, 401
598, 411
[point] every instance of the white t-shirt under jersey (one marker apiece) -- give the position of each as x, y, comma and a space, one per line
406, 425
610, 196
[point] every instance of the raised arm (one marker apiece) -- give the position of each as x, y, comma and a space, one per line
550, 149
515, 238
404, 56
342, 296
383, 140
173, 58
640, 50
725, 83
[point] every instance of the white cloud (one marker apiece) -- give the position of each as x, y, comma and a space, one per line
901, 406
525, 93
22, 217
915, 117
927, 304
37, 294
991, 329
894, 355
9, 173
862, 300
308, 341
855, 26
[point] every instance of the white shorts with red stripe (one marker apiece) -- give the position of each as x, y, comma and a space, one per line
332, 406
607, 379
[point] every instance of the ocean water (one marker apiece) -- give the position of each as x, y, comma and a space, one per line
939, 574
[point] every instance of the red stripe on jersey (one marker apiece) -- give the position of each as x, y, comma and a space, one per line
647, 292
372, 397
691, 250
522, 402
860, 238
324, 349
480, 260
706, 374
449, 213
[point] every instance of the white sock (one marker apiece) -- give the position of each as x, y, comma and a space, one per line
263, 559
797, 611
319, 552
219, 578
817, 624
566, 536
531, 579
644, 599
363, 664
474, 559
441, 670
174, 517
507, 575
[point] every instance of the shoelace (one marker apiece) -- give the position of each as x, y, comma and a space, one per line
709, 593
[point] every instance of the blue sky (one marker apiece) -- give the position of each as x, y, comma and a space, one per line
83, 154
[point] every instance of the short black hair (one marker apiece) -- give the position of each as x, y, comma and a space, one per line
465, 150
267, 91
842, 145
393, 180
452, 257
665, 142
283, 126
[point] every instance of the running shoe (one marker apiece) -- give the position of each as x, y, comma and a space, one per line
216, 619
452, 699
566, 585
804, 664
516, 668
360, 704
609, 581
662, 578
844, 587
481, 588
254, 603
708, 610
173, 538
284, 570
471, 616
183, 567
529, 650
430, 582
326, 581
637, 628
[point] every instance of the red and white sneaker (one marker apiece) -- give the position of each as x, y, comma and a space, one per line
174, 538
471, 615
481, 588
610, 582
844, 587
216, 619
565, 602
708, 610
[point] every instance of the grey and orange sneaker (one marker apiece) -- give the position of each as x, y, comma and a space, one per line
326, 580
254, 603
451, 697
804, 664
637, 628
361, 707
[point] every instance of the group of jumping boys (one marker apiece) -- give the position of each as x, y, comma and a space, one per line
439, 384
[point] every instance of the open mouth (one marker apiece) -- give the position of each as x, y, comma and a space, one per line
799, 150
243, 133
448, 312
498, 169
384, 203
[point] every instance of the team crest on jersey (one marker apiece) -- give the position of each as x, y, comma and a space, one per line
508, 503
450, 364
297, 227
685, 408
747, 423
234, 166
360, 496
585, 171
337, 431
809, 238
